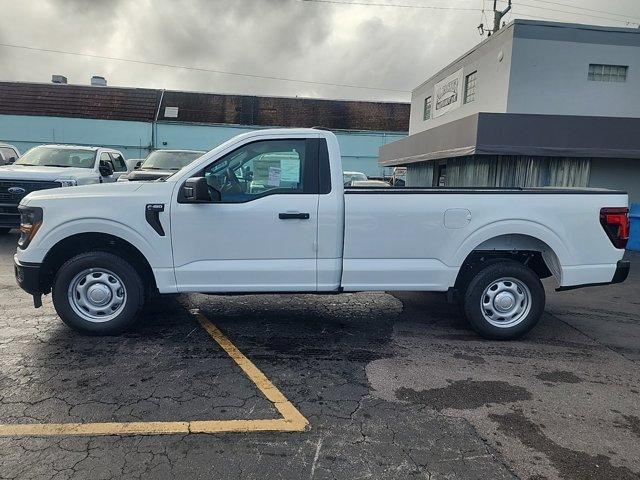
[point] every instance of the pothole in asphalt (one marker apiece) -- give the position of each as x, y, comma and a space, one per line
559, 376
465, 394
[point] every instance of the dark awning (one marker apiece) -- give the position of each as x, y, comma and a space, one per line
519, 134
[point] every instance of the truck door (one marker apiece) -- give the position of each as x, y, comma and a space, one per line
261, 235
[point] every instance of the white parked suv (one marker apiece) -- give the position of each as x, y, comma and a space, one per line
266, 212
51, 166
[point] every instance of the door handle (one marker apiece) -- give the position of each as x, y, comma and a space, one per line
293, 216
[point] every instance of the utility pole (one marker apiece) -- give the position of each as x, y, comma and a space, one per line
497, 18
498, 14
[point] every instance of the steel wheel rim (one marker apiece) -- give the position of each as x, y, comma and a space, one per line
505, 302
97, 295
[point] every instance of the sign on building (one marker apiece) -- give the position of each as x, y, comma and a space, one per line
448, 94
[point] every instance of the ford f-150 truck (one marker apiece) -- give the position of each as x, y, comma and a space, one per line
267, 212
52, 166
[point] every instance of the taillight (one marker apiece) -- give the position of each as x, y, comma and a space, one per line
615, 221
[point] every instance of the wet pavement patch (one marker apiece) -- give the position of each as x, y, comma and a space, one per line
570, 464
465, 394
559, 376
478, 360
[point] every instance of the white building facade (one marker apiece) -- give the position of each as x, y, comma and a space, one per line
537, 103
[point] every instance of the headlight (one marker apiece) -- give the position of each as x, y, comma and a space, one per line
67, 182
30, 222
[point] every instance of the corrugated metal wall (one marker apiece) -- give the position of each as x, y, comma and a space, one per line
505, 171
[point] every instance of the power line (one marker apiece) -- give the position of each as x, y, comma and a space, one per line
578, 7
535, 16
547, 9
198, 69
397, 5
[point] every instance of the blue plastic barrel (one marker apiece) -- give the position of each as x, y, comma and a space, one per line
634, 236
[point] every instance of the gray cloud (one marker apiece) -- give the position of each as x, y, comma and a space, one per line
384, 47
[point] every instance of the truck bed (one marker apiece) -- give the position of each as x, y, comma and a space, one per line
407, 238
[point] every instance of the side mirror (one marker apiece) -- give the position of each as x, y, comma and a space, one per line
105, 169
138, 165
10, 160
197, 190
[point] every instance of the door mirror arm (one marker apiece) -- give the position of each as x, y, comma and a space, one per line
197, 190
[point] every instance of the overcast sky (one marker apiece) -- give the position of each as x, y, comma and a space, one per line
386, 47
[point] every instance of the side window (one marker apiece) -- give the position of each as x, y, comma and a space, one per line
263, 168
106, 158
119, 163
9, 154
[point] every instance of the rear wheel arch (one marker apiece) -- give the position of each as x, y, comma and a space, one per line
76, 244
527, 250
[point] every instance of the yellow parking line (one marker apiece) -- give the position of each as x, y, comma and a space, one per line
292, 420
285, 407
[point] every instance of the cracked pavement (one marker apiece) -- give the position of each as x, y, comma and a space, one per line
394, 386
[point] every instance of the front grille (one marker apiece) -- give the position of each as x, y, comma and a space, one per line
8, 197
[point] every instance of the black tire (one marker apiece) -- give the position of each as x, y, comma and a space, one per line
4, 231
482, 280
133, 286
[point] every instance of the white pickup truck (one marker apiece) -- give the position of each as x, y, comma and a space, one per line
52, 166
267, 212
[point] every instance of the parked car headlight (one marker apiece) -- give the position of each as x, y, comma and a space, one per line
30, 222
67, 182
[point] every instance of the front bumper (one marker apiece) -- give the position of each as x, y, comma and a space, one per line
27, 276
619, 276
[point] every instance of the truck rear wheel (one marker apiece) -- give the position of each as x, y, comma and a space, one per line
98, 293
504, 300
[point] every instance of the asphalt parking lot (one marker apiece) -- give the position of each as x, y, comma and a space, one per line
392, 386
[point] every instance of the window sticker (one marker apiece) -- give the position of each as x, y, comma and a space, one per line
290, 170
274, 177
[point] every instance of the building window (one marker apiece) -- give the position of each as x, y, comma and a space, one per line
470, 87
427, 109
607, 73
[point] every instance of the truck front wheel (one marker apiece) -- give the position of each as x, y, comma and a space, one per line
98, 293
504, 300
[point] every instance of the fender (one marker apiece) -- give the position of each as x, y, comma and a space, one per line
511, 227
97, 225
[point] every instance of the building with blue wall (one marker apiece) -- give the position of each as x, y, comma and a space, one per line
137, 121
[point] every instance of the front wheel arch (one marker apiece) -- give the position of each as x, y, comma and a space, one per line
94, 242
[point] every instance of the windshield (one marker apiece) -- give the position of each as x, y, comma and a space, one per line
164, 160
58, 157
